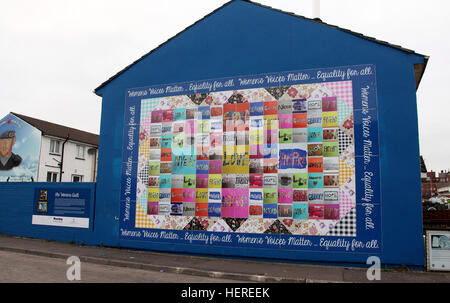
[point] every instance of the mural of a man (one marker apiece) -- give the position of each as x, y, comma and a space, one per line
8, 160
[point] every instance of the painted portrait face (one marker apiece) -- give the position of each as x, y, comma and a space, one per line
6, 145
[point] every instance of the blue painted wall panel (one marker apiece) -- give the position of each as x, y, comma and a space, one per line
18, 200
244, 39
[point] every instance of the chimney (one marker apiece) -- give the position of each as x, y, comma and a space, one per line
316, 9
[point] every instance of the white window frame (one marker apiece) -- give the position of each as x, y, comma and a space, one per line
78, 149
79, 176
53, 176
55, 143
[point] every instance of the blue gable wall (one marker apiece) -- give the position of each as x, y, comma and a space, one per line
18, 202
241, 39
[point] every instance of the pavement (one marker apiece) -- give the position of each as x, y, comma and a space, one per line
216, 267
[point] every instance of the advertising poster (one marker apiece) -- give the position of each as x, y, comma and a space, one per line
287, 160
19, 150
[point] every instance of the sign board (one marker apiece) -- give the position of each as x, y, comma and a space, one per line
282, 161
68, 207
438, 250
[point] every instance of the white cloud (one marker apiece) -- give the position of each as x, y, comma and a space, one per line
54, 53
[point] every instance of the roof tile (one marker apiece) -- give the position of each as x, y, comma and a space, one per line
52, 129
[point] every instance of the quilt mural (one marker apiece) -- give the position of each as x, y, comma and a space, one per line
239, 158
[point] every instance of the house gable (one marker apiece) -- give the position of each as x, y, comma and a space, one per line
245, 29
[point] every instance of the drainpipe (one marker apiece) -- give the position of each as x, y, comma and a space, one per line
93, 151
62, 158
95, 167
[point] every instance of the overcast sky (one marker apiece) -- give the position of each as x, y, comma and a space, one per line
54, 53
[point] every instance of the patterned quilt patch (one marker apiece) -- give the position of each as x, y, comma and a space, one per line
276, 160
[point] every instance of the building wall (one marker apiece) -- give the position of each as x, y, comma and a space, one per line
429, 190
72, 165
18, 200
26, 146
432, 183
244, 39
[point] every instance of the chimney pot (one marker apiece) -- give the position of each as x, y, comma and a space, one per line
316, 9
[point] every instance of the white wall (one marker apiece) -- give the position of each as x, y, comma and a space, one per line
71, 164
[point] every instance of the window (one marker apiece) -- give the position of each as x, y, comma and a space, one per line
52, 176
77, 178
80, 152
55, 146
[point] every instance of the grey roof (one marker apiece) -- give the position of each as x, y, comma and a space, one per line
423, 167
60, 131
419, 69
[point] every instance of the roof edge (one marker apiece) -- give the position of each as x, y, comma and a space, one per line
91, 138
315, 20
419, 70
96, 91
70, 139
